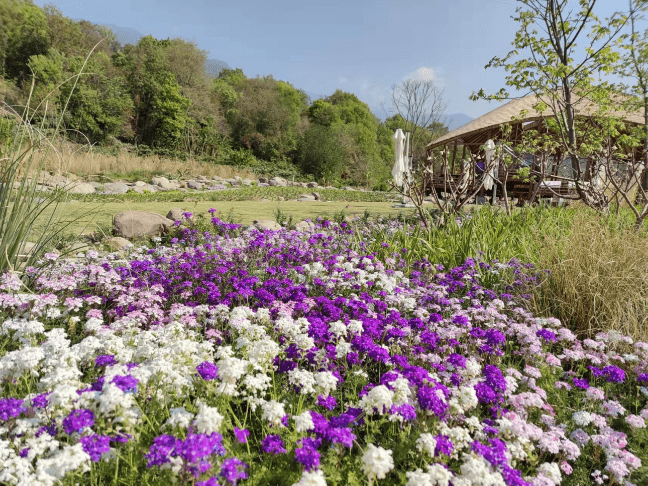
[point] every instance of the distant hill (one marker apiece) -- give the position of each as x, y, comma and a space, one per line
456, 120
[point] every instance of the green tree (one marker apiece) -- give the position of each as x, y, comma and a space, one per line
320, 152
546, 61
23, 33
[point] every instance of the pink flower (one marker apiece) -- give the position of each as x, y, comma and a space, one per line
566, 468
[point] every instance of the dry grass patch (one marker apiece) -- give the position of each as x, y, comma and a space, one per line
598, 280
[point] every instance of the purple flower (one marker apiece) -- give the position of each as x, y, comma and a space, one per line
125, 383
340, 435
209, 482
428, 399
581, 383
642, 377
329, 403
208, 371
233, 469
199, 446
443, 445
40, 401
241, 434
160, 450
308, 457
614, 374
546, 334
78, 420
95, 445
272, 444
105, 360
24, 452
10, 408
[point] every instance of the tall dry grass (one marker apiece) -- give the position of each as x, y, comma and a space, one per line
598, 280
78, 160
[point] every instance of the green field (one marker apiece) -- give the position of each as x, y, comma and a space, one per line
89, 217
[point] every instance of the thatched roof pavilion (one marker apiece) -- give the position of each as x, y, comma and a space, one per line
487, 126
522, 114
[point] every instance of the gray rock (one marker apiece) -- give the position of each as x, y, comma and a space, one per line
138, 224
97, 185
160, 181
82, 188
194, 185
232, 182
305, 226
115, 188
146, 188
140, 183
349, 188
312, 184
263, 180
116, 243
306, 197
217, 179
263, 184
267, 224
246, 182
317, 196
56, 181
175, 214
278, 181
202, 178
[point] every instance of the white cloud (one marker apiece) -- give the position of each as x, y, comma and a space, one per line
425, 73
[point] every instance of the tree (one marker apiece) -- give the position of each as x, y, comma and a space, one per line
561, 75
23, 33
320, 152
419, 104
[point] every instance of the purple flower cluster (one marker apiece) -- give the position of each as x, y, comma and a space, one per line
10, 408
95, 445
272, 444
208, 371
78, 420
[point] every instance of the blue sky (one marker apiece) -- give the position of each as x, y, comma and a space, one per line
359, 46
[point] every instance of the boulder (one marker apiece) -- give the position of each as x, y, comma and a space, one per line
278, 181
55, 181
194, 185
116, 243
312, 184
202, 178
217, 179
82, 188
267, 224
160, 181
175, 214
349, 188
317, 196
139, 224
233, 182
305, 226
145, 188
140, 184
263, 180
115, 188
246, 182
306, 197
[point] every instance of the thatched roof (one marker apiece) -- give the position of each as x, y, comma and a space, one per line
505, 114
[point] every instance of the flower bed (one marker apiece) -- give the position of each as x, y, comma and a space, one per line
281, 357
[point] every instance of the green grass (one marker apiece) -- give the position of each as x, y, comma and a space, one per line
243, 212
254, 193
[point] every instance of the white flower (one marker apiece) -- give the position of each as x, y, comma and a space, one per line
550, 470
355, 326
582, 418
418, 478
273, 412
439, 475
326, 382
179, 417
426, 442
304, 379
304, 342
70, 458
313, 478
304, 422
208, 420
377, 462
379, 397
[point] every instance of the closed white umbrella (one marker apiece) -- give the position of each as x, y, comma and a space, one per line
489, 178
399, 170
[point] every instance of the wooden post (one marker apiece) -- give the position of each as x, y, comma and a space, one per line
454, 154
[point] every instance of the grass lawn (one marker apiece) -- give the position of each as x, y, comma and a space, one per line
90, 216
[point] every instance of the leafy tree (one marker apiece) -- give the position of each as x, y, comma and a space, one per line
23, 33
561, 75
323, 113
160, 109
321, 153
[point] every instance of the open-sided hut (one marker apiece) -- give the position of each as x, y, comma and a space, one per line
467, 141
